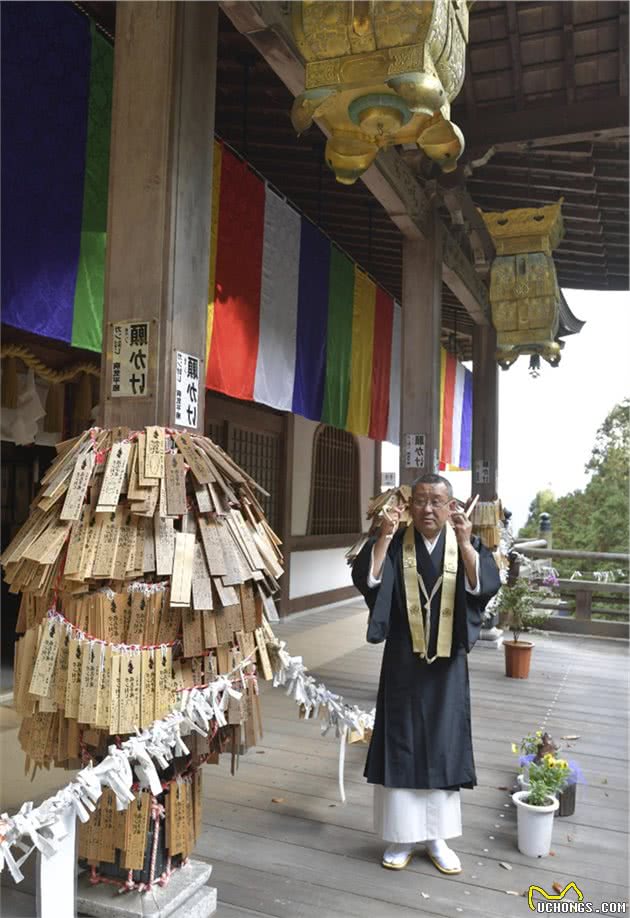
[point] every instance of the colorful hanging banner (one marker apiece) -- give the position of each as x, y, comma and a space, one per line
234, 344
393, 419
314, 333
310, 355
363, 308
56, 125
456, 414
275, 367
339, 339
217, 158
381, 365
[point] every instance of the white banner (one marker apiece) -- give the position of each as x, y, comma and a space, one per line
275, 368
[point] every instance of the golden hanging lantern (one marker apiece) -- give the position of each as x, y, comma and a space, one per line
380, 73
524, 292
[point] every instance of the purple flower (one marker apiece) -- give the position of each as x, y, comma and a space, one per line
551, 580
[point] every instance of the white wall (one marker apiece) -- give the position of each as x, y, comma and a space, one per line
318, 571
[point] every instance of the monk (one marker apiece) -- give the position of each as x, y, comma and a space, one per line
426, 587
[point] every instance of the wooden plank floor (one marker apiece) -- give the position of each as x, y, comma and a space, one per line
310, 855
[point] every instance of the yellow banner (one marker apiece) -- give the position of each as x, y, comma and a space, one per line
363, 308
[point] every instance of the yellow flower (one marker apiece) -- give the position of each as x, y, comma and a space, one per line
515, 748
538, 732
562, 763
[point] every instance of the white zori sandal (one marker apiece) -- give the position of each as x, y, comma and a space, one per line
397, 856
442, 856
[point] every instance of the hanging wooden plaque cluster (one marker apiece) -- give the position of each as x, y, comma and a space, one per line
146, 567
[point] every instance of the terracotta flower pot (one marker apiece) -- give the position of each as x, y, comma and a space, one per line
518, 655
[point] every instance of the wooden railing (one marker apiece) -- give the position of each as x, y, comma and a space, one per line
574, 613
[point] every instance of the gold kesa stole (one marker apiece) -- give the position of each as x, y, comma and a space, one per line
414, 583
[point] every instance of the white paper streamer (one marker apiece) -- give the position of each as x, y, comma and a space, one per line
39, 827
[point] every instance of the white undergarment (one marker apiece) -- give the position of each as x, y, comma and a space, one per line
403, 814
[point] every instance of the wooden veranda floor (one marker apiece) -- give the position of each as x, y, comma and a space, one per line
310, 855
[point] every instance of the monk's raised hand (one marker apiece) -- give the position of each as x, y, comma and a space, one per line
389, 524
462, 526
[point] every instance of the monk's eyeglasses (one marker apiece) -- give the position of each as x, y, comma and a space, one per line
429, 502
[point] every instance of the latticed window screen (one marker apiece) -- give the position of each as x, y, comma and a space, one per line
258, 453
335, 500
216, 431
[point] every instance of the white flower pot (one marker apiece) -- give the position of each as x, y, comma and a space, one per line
535, 825
523, 783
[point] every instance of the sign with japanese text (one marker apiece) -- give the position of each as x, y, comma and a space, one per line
187, 390
482, 471
130, 359
415, 451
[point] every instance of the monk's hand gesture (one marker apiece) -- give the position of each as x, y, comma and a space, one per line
389, 523
463, 528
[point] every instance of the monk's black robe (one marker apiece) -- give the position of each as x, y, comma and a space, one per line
422, 731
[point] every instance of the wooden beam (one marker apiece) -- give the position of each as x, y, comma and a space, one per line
515, 48
160, 182
390, 180
569, 52
464, 212
485, 427
460, 276
421, 320
547, 125
623, 51
559, 184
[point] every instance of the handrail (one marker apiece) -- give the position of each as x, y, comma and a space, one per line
564, 553
593, 586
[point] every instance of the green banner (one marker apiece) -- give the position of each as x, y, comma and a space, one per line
339, 340
87, 324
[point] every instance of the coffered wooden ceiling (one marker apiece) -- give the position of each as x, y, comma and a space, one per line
544, 111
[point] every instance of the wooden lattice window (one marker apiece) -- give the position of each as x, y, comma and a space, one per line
335, 495
254, 438
258, 452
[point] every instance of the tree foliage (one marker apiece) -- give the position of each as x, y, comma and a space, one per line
596, 518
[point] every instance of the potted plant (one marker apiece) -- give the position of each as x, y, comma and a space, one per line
516, 612
532, 749
526, 750
535, 806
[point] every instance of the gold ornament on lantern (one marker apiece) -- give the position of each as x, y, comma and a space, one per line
380, 73
524, 292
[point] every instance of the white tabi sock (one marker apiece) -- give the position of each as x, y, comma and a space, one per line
445, 856
397, 853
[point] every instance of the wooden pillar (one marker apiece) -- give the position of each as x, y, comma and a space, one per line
159, 210
485, 432
421, 323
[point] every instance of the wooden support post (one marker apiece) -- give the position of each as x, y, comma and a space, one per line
159, 208
421, 321
583, 605
485, 432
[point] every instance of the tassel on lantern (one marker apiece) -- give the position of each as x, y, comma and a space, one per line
55, 399
9, 382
